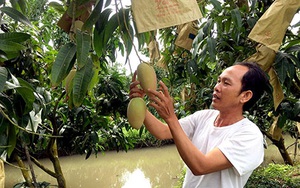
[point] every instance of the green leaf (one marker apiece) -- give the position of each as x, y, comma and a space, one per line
211, 45
236, 15
12, 140
290, 69
281, 121
28, 96
81, 82
251, 22
3, 77
26, 91
99, 32
57, 6
14, 37
125, 27
63, 63
292, 46
9, 46
8, 55
19, 5
16, 15
217, 5
93, 18
110, 27
296, 109
280, 67
24, 83
207, 27
83, 41
22, 5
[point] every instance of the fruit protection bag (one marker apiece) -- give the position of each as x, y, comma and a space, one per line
268, 32
2, 175
186, 34
150, 15
270, 29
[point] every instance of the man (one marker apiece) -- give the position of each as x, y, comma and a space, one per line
220, 147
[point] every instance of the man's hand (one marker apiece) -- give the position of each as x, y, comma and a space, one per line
135, 91
163, 103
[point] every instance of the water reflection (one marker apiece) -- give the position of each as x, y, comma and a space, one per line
135, 179
143, 168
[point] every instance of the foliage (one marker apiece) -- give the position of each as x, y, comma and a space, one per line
271, 176
221, 41
275, 175
38, 185
181, 178
59, 90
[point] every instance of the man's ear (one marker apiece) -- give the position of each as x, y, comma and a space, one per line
246, 96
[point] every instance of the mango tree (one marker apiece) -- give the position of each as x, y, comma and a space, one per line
33, 121
35, 118
221, 41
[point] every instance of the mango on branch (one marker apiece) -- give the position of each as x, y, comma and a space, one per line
147, 76
136, 112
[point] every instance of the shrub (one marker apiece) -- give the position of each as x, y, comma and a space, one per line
271, 176
275, 175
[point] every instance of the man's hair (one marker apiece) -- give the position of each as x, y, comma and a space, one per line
254, 79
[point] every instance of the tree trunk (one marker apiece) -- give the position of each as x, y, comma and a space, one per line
52, 148
281, 147
31, 167
24, 171
53, 156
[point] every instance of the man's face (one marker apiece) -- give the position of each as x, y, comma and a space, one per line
227, 91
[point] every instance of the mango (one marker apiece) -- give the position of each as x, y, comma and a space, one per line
147, 77
136, 112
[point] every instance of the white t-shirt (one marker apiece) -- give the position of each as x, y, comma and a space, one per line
241, 143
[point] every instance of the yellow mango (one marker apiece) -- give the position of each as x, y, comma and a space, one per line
147, 77
136, 112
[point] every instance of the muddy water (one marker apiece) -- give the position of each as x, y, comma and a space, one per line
139, 168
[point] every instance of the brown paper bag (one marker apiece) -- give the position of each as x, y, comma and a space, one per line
186, 34
156, 14
153, 48
265, 57
275, 131
2, 174
271, 27
162, 63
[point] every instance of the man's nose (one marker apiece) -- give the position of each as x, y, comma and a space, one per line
217, 88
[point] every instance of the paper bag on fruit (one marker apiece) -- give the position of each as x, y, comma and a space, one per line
150, 15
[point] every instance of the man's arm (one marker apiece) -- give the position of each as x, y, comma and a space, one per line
198, 163
156, 127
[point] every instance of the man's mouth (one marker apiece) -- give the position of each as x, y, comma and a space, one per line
215, 96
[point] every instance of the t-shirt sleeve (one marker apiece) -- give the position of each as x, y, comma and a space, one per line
244, 150
195, 121
188, 125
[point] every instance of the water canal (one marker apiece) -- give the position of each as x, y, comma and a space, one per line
139, 168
